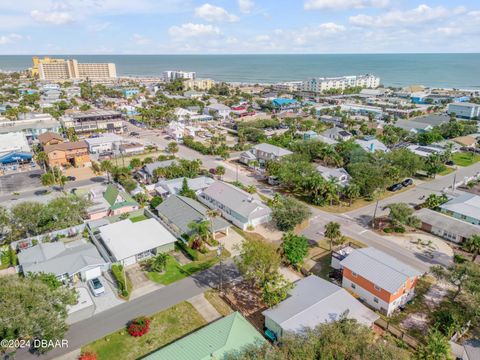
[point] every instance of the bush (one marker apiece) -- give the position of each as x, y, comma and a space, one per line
156, 200
124, 289
88, 356
193, 254
139, 326
289, 212
459, 259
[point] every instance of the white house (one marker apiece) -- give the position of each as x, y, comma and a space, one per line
341, 175
173, 186
371, 145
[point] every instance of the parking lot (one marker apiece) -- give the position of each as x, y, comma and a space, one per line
108, 299
21, 180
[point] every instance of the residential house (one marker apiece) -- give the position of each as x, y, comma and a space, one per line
336, 121
78, 260
68, 154
147, 173
466, 141
262, 153
131, 148
371, 145
426, 151
217, 110
309, 135
314, 301
50, 138
445, 226
465, 207
471, 350
109, 201
378, 279
235, 205
340, 175
337, 134
412, 126
129, 242
230, 334
178, 212
166, 188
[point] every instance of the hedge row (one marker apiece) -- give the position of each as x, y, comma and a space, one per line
124, 289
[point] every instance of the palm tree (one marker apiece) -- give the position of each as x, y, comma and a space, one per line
220, 171
331, 191
42, 159
352, 192
212, 214
159, 262
200, 233
472, 245
106, 166
332, 232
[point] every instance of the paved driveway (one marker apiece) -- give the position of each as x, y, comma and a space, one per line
107, 300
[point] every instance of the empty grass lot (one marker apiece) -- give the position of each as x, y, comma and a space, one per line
165, 327
465, 158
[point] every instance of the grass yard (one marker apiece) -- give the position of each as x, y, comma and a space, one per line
175, 271
138, 218
221, 306
248, 235
465, 158
4, 260
447, 171
166, 326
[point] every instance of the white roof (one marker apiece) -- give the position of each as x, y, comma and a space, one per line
173, 186
14, 141
371, 145
329, 173
106, 138
379, 268
125, 238
314, 301
465, 204
272, 149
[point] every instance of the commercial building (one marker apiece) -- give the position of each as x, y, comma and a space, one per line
289, 86
54, 69
94, 120
235, 205
172, 75
129, 242
104, 143
378, 279
68, 154
198, 84
465, 207
32, 126
464, 110
230, 334
445, 226
314, 301
14, 148
321, 84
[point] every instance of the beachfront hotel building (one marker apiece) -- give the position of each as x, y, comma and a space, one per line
288, 86
321, 84
172, 75
198, 84
56, 69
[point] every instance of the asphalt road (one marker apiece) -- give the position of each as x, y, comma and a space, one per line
116, 318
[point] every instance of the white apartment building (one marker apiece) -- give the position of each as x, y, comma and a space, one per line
171, 75
71, 69
288, 86
321, 84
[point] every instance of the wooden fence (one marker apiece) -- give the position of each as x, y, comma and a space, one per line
398, 333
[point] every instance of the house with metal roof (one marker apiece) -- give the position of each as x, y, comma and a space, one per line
179, 211
447, 227
166, 188
235, 205
212, 342
262, 153
104, 143
340, 175
465, 207
378, 279
371, 145
76, 260
338, 134
129, 242
314, 301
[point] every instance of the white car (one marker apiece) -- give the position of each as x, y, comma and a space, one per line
96, 287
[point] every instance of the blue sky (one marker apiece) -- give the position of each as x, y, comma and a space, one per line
238, 26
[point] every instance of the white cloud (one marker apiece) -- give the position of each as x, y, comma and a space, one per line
246, 6
98, 27
449, 31
214, 13
421, 14
343, 4
140, 40
10, 38
191, 30
263, 38
52, 17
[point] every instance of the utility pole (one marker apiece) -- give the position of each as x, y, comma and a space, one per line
454, 181
219, 254
375, 214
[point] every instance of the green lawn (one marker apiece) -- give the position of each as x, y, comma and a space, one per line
138, 218
175, 271
165, 327
465, 159
447, 171
5, 260
217, 302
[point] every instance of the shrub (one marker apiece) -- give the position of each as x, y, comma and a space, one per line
193, 254
139, 326
124, 289
88, 356
459, 259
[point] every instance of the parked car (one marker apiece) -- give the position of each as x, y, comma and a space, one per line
395, 187
450, 163
71, 178
134, 133
96, 287
407, 182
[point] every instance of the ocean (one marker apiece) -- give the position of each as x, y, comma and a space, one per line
433, 70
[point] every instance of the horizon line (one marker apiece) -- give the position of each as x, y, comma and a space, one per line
242, 54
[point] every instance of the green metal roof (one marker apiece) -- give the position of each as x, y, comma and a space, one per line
112, 194
214, 341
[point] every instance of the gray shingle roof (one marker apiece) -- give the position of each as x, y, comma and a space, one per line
58, 259
272, 149
181, 211
314, 301
451, 224
379, 268
149, 168
465, 204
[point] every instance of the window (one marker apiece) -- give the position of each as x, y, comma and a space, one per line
375, 300
353, 286
377, 288
354, 274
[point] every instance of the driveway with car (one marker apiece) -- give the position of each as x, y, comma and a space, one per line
108, 299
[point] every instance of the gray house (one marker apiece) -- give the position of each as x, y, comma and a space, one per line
263, 153
179, 211
340, 175
314, 301
235, 205
77, 260
147, 173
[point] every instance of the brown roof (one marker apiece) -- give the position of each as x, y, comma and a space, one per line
465, 140
48, 136
66, 146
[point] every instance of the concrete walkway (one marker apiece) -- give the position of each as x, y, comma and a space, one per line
203, 306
